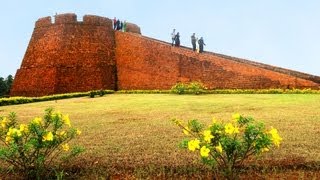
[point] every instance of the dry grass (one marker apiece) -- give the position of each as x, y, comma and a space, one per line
132, 135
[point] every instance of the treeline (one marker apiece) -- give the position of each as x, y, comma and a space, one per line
5, 85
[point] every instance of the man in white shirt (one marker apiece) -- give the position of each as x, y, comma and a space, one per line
173, 36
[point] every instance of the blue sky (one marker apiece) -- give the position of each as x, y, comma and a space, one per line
282, 33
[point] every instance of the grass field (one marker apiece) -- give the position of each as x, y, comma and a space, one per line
131, 135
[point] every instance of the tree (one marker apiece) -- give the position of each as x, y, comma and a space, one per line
3, 86
9, 81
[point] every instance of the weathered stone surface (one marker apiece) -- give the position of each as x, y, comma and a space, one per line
133, 28
143, 63
71, 56
65, 18
46, 21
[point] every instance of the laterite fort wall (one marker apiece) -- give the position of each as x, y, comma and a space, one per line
143, 63
66, 55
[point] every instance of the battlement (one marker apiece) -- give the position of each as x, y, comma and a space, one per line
133, 28
96, 20
71, 18
45, 21
65, 18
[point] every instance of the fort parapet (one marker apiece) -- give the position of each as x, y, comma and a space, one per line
66, 55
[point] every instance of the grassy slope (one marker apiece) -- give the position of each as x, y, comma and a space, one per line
124, 131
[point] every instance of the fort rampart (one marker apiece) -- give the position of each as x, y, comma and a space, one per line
68, 55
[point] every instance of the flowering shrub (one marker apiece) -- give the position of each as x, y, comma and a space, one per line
189, 88
196, 88
179, 88
32, 147
225, 146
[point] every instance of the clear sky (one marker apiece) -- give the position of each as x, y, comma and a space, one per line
283, 33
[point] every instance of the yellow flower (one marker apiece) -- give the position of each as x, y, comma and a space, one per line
18, 133
14, 132
204, 151
10, 132
78, 132
9, 139
62, 133
207, 135
66, 120
65, 147
230, 129
265, 150
4, 122
57, 114
186, 131
24, 128
275, 136
236, 130
236, 117
219, 148
193, 144
37, 121
48, 136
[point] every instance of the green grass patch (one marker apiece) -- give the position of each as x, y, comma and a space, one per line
132, 134
193, 88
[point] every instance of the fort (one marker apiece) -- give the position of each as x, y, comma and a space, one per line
68, 55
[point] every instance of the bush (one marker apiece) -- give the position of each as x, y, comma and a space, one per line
179, 88
156, 91
101, 93
188, 88
92, 94
32, 148
196, 88
225, 147
24, 100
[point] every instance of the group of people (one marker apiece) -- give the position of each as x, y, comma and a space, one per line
119, 25
175, 38
176, 41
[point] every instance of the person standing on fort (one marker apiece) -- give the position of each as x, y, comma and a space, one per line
201, 43
177, 39
115, 23
118, 24
124, 28
194, 41
121, 26
173, 36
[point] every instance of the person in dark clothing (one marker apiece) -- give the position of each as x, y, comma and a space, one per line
193, 41
118, 25
177, 39
201, 43
121, 26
